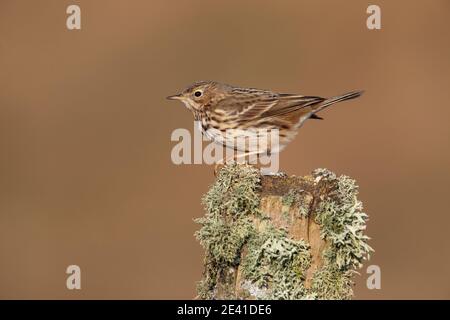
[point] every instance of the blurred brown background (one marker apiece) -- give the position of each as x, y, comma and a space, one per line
85, 170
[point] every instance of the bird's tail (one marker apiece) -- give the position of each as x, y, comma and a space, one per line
328, 102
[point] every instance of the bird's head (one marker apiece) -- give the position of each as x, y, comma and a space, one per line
201, 94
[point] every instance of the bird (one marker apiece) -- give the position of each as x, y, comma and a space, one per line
225, 113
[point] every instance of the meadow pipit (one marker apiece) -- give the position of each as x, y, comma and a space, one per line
225, 113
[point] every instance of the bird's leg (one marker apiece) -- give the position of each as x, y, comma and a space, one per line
248, 153
260, 166
236, 158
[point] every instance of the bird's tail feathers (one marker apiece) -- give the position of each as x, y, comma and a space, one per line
328, 102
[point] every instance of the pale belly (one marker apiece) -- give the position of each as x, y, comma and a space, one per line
250, 140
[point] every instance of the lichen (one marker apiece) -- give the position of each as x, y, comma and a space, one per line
343, 222
290, 198
235, 192
295, 198
206, 286
230, 204
223, 239
332, 283
273, 265
277, 263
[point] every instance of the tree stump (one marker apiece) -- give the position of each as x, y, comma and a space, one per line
281, 237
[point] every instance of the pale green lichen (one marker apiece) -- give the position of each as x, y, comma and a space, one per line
332, 283
287, 201
230, 203
277, 263
295, 198
290, 198
223, 240
274, 265
206, 286
234, 193
343, 222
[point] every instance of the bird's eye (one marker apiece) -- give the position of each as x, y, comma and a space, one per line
198, 93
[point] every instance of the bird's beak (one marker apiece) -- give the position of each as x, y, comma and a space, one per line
175, 97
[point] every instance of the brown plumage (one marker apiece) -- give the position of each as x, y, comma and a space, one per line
222, 108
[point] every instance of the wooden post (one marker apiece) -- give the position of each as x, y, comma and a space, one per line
281, 237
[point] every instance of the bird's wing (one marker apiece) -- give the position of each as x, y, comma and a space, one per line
290, 103
253, 106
